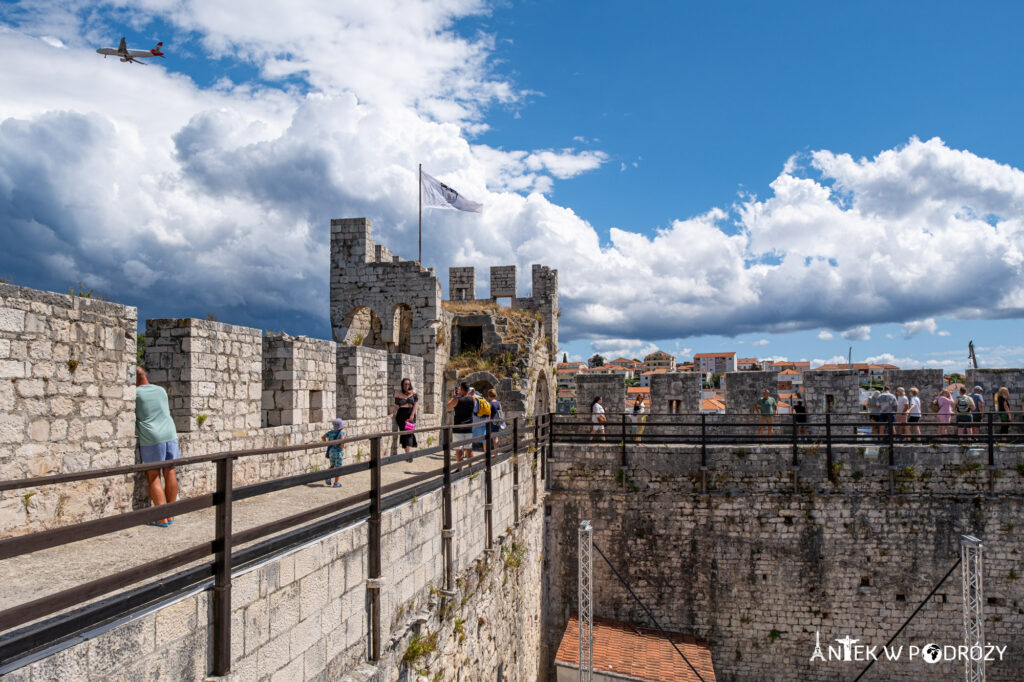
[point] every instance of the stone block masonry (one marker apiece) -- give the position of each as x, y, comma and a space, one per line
503, 281
764, 560
928, 381
212, 372
742, 389
67, 391
299, 377
675, 393
832, 391
462, 284
991, 380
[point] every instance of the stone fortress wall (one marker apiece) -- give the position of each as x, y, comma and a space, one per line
756, 557
67, 378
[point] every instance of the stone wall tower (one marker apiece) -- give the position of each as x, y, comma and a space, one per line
381, 301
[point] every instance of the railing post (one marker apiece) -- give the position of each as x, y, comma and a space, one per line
828, 446
373, 569
991, 441
448, 530
488, 490
623, 462
515, 471
703, 439
222, 570
891, 426
793, 435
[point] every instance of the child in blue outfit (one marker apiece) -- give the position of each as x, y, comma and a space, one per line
334, 452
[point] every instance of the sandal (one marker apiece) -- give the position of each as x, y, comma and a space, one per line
161, 524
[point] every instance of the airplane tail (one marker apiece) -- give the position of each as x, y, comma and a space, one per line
157, 51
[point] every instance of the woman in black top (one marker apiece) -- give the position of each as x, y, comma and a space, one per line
405, 411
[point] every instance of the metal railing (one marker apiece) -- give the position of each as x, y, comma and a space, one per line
792, 430
526, 434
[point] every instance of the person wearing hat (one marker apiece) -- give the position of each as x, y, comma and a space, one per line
335, 451
979, 407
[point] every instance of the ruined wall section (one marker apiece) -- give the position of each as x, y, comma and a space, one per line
212, 371
400, 298
67, 391
678, 389
763, 560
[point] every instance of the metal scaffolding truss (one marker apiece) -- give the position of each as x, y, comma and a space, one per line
974, 619
586, 601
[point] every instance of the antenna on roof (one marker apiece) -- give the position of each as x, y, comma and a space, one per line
849, 358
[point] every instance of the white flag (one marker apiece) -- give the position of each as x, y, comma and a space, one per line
436, 194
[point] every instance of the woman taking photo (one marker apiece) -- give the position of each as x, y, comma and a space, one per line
406, 401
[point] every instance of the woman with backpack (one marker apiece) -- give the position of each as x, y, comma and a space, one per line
964, 418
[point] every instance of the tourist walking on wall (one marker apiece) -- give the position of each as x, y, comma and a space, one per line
979, 407
902, 408
335, 451
637, 416
461, 404
158, 441
964, 410
1003, 408
406, 401
597, 417
766, 407
944, 413
873, 410
492, 398
914, 413
886, 408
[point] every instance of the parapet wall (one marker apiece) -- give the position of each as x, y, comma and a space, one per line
67, 392
769, 556
303, 615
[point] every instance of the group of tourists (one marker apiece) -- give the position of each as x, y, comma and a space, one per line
158, 438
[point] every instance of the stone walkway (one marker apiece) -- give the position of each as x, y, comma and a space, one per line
36, 575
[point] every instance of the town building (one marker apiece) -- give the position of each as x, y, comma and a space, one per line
715, 362
659, 359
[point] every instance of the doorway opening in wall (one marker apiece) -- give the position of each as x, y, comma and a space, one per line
316, 407
673, 406
830, 403
470, 338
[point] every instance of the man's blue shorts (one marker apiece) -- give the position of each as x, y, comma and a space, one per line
161, 452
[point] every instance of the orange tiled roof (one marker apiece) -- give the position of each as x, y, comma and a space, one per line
638, 652
661, 370
711, 404
745, 360
714, 355
633, 390
789, 371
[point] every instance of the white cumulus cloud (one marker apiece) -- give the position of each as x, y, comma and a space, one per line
825, 335
861, 333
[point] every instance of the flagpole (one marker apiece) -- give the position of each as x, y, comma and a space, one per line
420, 258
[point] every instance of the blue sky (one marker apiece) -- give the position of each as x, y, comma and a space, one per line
782, 181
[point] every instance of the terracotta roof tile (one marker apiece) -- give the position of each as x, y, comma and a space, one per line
638, 652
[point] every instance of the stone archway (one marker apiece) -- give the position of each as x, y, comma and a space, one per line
542, 394
363, 328
402, 326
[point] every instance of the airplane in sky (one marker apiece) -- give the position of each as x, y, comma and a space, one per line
127, 55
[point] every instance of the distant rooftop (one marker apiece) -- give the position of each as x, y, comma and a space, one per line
631, 652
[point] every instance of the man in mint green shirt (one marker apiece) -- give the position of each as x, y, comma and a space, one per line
158, 440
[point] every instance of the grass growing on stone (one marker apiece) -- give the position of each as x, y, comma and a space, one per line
419, 647
513, 555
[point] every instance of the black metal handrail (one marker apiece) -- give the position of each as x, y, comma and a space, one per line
372, 504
